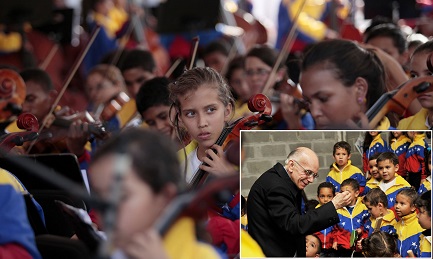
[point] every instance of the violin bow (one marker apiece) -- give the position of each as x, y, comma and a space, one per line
288, 44
68, 80
194, 48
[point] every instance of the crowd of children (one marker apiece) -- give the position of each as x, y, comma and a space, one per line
382, 220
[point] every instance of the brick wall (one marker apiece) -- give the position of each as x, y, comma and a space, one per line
262, 149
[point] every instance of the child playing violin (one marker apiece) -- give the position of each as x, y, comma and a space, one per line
204, 105
418, 67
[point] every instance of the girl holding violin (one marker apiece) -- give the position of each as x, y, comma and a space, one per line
422, 120
204, 105
259, 62
341, 81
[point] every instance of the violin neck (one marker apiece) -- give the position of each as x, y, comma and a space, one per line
201, 176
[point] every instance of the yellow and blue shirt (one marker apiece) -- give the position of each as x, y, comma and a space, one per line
377, 145
425, 244
425, 186
336, 177
371, 184
409, 232
414, 122
388, 224
399, 146
392, 191
351, 218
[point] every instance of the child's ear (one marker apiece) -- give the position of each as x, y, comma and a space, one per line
396, 167
348, 156
227, 112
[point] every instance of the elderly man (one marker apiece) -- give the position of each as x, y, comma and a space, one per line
274, 206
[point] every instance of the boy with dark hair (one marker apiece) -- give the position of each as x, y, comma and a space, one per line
352, 218
391, 183
342, 168
381, 218
215, 54
153, 104
408, 228
423, 204
138, 66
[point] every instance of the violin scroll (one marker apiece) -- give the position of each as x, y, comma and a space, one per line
28, 121
12, 94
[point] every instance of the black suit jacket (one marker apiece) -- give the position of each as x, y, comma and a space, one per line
274, 215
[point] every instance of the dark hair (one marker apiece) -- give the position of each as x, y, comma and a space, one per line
266, 54
38, 76
343, 145
152, 93
220, 46
389, 31
348, 62
410, 193
391, 136
424, 201
243, 205
374, 156
137, 58
194, 78
376, 196
427, 159
236, 63
153, 156
326, 185
425, 47
351, 182
379, 244
391, 156
377, 20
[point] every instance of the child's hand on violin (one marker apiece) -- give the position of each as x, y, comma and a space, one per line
216, 162
77, 137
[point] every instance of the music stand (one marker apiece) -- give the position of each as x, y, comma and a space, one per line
19, 11
64, 164
176, 16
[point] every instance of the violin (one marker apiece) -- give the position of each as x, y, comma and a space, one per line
115, 104
25, 121
12, 94
261, 106
398, 100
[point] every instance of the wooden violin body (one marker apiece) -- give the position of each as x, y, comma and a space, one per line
399, 99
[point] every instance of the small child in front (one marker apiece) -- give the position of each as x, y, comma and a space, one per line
408, 228
423, 204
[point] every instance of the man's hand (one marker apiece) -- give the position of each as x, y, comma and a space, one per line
341, 200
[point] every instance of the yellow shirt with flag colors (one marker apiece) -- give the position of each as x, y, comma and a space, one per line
414, 122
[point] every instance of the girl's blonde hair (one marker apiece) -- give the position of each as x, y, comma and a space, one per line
197, 77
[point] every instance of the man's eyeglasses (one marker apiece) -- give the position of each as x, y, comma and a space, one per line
306, 171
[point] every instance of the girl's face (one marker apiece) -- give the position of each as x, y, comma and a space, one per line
312, 246
139, 206
373, 210
239, 83
418, 67
374, 171
424, 219
397, 134
204, 115
99, 89
257, 73
325, 195
373, 133
403, 205
331, 103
